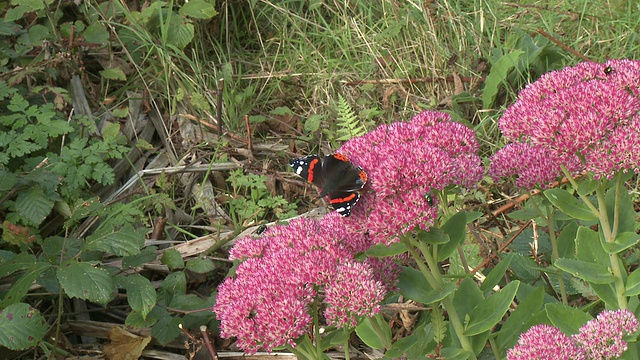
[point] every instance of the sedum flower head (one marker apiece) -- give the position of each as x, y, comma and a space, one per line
602, 337
405, 161
545, 342
268, 302
352, 293
581, 117
261, 308
598, 339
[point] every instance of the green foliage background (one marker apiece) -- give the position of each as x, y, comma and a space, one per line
327, 70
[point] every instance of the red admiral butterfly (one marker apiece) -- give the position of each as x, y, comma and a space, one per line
336, 176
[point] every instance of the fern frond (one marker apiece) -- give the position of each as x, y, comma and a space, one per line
349, 126
439, 325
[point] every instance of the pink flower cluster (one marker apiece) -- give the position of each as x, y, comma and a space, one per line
405, 161
583, 117
545, 342
267, 303
600, 338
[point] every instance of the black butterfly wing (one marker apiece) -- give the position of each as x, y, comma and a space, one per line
340, 175
309, 168
343, 201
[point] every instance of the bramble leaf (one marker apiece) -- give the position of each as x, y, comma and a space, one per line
83, 281
22, 327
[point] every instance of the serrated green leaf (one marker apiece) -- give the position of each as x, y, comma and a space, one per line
567, 240
173, 259
83, 281
433, 236
622, 242
58, 249
24, 6
96, 33
135, 320
633, 283
496, 274
518, 320
382, 250
22, 327
38, 33
124, 242
607, 293
489, 312
175, 284
420, 335
198, 9
147, 254
63, 209
569, 205
499, 71
281, 110
623, 204
113, 74
7, 180
110, 132
121, 112
336, 337
423, 347
141, 294
166, 329
413, 285
374, 332
312, 123
456, 228
181, 33
20, 287
189, 302
589, 272
455, 353
256, 119
200, 265
588, 186
566, 318
33, 205
20, 262
589, 247
9, 28
200, 102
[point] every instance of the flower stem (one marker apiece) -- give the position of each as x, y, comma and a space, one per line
316, 330
609, 234
347, 355
554, 250
432, 275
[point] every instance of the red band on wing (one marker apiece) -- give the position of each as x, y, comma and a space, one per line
342, 200
340, 157
312, 167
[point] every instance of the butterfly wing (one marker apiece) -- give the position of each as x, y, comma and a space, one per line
309, 168
343, 201
341, 175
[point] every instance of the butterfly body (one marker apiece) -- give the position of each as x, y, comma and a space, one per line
335, 176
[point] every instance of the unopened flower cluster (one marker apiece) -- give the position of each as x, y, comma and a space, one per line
405, 162
585, 118
600, 338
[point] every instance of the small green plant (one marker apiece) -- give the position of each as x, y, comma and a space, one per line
251, 199
348, 125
